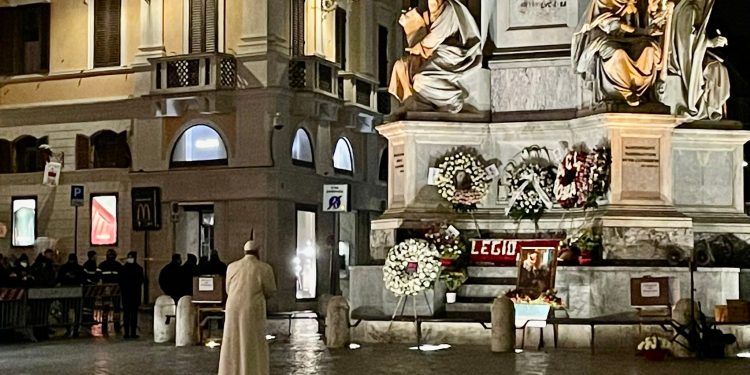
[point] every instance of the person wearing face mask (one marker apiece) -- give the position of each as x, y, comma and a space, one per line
20, 275
131, 283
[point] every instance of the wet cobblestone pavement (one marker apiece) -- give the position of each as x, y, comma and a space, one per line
305, 354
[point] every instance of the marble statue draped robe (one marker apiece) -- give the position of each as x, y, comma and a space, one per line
698, 84
244, 350
431, 76
611, 44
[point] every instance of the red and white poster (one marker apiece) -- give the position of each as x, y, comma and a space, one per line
504, 252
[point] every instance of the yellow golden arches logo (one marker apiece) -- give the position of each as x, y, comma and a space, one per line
143, 214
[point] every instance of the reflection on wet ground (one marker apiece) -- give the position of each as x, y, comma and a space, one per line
304, 353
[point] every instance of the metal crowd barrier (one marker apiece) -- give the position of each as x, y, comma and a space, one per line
69, 307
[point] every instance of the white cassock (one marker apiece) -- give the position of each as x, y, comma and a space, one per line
244, 350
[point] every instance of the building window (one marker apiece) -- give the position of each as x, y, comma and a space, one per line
24, 35
343, 161
107, 33
204, 18
305, 263
23, 221
383, 170
103, 219
6, 158
110, 149
28, 157
341, 37
302, 150
199, 145
298, 28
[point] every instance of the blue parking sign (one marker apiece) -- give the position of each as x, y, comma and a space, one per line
76, 195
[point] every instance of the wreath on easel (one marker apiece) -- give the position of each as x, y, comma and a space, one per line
531, 180
463, 180
411, 267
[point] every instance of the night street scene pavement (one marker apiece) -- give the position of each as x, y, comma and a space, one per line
305, 353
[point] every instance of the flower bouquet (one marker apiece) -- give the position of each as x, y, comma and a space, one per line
655, 348
549, 297
453, 281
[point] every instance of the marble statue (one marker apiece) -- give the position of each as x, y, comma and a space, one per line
618, 46
444, 50
697, 83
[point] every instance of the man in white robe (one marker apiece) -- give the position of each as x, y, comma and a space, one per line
249, 282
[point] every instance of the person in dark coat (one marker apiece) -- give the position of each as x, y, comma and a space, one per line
131, 286
92, 271
71, 273
169, 278
43, 270
20, 275
215, 265
187, 271
110, 268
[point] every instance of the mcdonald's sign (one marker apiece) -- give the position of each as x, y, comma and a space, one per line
146, 208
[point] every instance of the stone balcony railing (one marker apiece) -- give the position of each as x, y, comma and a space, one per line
193, 73
315, 74
358, 90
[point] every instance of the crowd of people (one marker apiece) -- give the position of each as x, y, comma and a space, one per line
176, 278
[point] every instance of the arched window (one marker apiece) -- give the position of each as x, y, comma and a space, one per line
383, 170
343, 159
110, 149
6, 160
28, 157
302, 151
199, 145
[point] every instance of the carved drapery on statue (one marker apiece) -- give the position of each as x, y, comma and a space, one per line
627, 47
698, 83
444, 51
618, 46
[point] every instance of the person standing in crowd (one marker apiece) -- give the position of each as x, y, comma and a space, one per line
44, 270
20, 275
71, 273
90, 268
215, 265
203, 265
111, 275
169, 278
110, 268
187, 271
4, 271
249, 283
131, 285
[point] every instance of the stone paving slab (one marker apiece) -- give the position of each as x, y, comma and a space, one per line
305, 354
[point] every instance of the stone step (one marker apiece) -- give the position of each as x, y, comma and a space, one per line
493, 272
483, 290
492, 280
467, 307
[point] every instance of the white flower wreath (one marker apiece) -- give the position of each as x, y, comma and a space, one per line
463, 180
411, 267
531, 182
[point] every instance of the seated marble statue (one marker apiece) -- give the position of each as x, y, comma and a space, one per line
697, 83
444, 47
618, 45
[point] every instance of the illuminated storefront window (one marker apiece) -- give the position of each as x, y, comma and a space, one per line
24, 221
343, 161
199, 144
104, 220
305, 267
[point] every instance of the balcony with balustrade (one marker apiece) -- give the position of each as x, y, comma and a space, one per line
193, 73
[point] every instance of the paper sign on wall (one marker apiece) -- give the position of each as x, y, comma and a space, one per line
205, 284
650, 289
52, 174
433, 175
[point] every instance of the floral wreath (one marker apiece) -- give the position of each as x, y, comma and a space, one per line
463, 180
583, 178
411, 266
531, 181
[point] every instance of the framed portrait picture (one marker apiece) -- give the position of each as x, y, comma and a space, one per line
536, 269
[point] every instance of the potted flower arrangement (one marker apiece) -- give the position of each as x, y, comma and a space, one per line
655, 348
582, 244
453, 281
448, 242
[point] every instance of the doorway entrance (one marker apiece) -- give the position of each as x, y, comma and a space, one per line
194, 230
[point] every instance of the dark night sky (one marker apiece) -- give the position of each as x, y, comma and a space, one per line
732, 17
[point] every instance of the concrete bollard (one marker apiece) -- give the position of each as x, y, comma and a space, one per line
337, 322
503, 325
186, 331
681, 315
164, 332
